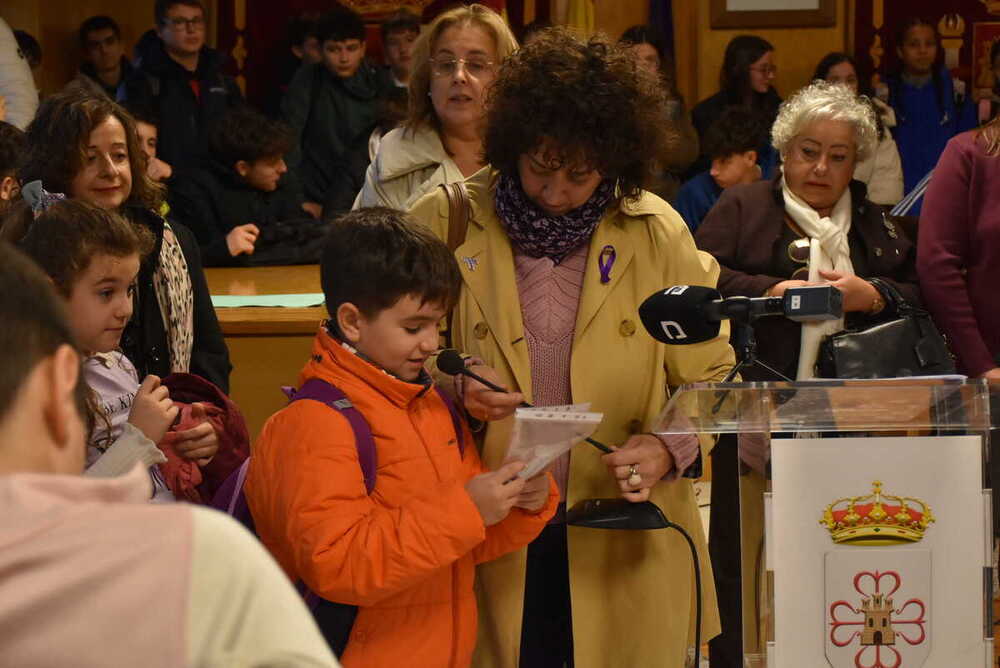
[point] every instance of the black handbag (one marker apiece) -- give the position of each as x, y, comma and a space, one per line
908, 345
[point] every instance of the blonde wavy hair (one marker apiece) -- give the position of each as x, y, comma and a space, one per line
824, 101
421, 107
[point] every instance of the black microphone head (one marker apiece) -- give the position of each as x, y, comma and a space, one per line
450, 362
678, 315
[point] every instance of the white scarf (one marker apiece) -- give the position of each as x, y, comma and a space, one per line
828, 250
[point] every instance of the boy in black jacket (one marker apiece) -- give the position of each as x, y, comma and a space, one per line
181, 80
241, 191
332, 107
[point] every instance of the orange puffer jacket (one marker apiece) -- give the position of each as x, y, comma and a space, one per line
406, 553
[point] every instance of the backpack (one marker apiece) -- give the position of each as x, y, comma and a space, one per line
335, 620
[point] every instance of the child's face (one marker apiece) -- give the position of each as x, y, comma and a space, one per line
103, 49
343, 58
148, 136
844, 74
399, 49
183, 30
105, 180
401, 337
918, 50
263, 174
735, 169
100, 303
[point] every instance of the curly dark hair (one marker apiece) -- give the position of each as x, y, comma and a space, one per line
57, 144
246, 134
587, 98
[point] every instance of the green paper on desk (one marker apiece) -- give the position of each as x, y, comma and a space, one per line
286, 301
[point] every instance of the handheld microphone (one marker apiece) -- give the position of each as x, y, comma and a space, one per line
688, 314
451, 363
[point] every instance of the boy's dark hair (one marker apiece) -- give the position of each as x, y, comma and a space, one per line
339, 25
161, 8
738, 130
58, 138
142, 113
95, 23
301, 28
247, 134
401, 20
30, 47
35, 325
13, 146
67, 236
536, 26
585, 96
374, 257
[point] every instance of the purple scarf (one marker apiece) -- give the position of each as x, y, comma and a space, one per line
536, 233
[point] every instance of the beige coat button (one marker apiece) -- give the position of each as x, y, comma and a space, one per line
627, 328
481, 330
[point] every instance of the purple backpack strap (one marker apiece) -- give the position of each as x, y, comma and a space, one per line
456, 419
230, 499
334, 397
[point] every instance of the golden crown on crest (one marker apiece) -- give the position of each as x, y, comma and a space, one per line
992, 6
877, 519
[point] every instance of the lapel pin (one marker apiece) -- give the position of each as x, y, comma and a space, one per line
605, 261
471, 263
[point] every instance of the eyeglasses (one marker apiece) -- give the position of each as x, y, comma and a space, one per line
474, 67
798, 252
178, 24
766, 70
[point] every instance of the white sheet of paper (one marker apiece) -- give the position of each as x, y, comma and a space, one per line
542, 434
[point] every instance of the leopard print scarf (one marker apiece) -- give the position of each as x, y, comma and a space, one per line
172, 283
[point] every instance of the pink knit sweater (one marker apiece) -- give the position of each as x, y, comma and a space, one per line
550, 296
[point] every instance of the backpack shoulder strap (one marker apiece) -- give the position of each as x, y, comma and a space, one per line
334, 397
456, 419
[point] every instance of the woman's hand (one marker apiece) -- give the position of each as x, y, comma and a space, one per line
993, 375
859, 294
485, 404
647, 457
778, 289
200, 442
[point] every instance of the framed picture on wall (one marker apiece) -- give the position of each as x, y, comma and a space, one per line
773, 13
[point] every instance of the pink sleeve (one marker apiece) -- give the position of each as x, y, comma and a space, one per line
684, 449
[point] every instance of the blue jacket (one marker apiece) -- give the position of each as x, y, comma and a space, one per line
924, 125
696, 198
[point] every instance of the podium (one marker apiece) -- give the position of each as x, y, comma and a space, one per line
865, 513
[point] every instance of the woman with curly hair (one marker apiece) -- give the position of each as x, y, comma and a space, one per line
87, 148
562, 247
454, 63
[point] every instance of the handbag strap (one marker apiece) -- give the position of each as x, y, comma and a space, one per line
459, 213
894, 297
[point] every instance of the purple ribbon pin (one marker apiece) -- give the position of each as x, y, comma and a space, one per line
605, 261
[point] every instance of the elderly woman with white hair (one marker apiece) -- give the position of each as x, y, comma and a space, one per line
811, 224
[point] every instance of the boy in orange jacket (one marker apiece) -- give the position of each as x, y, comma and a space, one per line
405, 553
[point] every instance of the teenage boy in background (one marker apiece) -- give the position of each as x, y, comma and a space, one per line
332, 108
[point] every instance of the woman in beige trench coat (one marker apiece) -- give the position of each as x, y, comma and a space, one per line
561, 249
